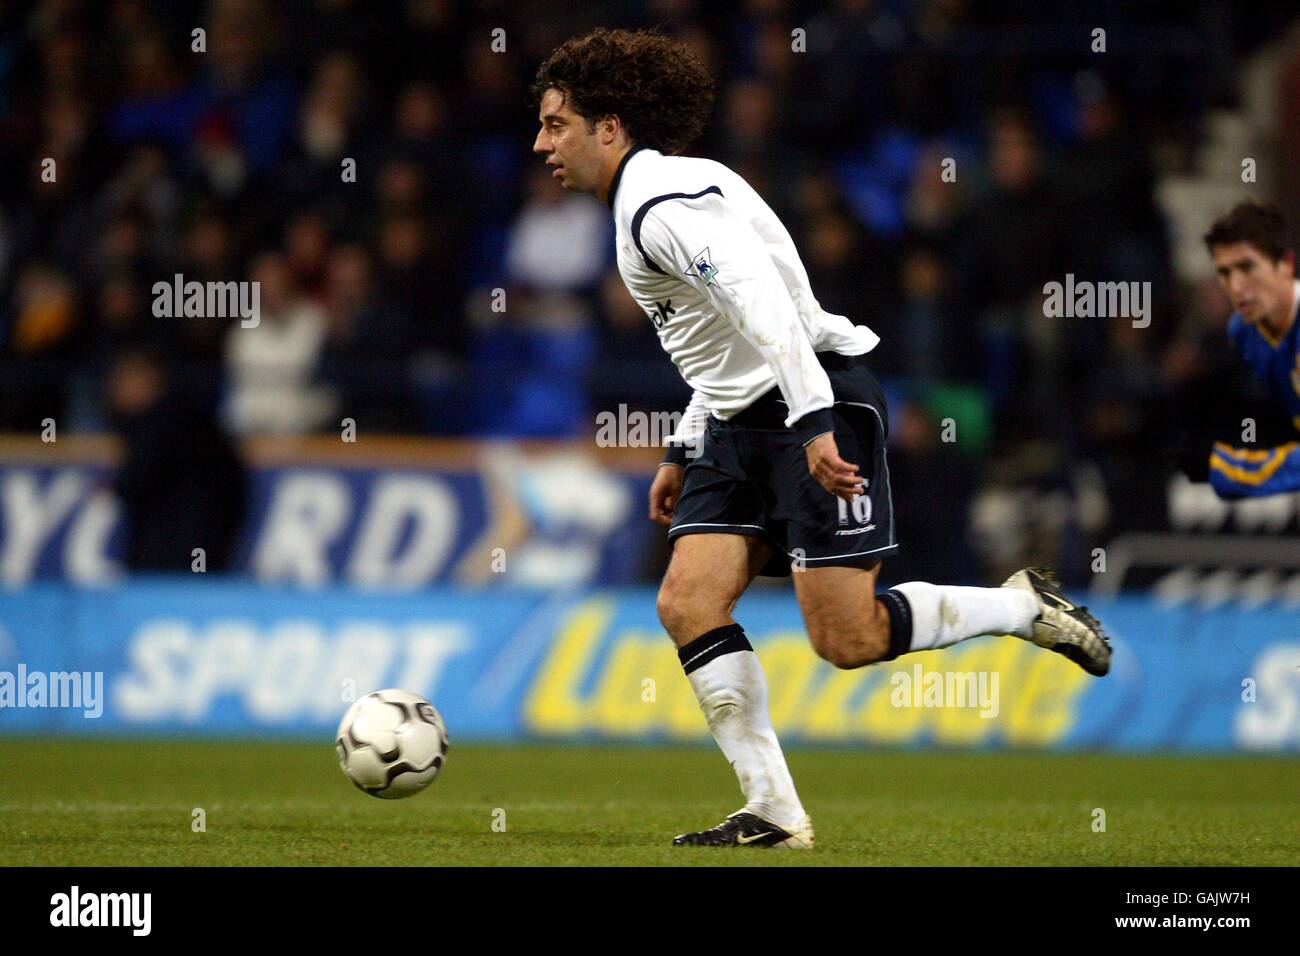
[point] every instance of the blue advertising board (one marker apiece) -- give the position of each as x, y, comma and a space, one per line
560, 517
229, 658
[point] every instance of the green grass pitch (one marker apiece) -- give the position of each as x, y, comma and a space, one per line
131, 803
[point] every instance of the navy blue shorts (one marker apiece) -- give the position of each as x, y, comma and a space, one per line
751, 477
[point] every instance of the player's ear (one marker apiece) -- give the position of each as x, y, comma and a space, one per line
609, 127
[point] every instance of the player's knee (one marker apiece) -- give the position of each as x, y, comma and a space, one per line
849, 646
666, 608
838, 654
688, 608
831, 644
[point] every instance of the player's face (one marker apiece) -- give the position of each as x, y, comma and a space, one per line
1255, 284
567, 143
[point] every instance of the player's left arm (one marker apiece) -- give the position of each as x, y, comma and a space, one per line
1239, 471
703, 241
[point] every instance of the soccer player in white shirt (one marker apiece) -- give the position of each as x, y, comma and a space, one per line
755, 482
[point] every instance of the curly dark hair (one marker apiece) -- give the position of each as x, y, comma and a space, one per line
654, 84
1259, 224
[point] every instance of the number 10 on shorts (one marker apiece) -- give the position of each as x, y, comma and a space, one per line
861, 507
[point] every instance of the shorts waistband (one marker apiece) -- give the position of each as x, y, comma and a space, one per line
769, 410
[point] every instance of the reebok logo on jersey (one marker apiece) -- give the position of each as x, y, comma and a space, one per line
702, 266
660, 315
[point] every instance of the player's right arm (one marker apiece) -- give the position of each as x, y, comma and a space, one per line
664, 492
684, 443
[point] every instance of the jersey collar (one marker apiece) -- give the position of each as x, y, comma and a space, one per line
1275, 341
618, 173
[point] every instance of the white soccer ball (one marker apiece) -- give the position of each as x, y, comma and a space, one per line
392, 743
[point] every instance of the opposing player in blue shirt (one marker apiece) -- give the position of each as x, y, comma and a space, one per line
1255, 264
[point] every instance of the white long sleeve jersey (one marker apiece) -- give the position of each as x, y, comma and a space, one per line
718, 274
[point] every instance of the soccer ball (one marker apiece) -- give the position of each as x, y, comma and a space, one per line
392, 743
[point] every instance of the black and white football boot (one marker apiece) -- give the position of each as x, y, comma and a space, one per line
743, 828
1063, 626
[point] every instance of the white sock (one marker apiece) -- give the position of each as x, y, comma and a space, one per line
944, 614
732, 692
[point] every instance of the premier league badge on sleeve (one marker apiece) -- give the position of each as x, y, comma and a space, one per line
702, 266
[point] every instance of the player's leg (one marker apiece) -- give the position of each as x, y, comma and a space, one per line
706, 577
849, 625
839, 545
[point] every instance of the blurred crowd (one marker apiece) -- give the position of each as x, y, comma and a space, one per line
368, 163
